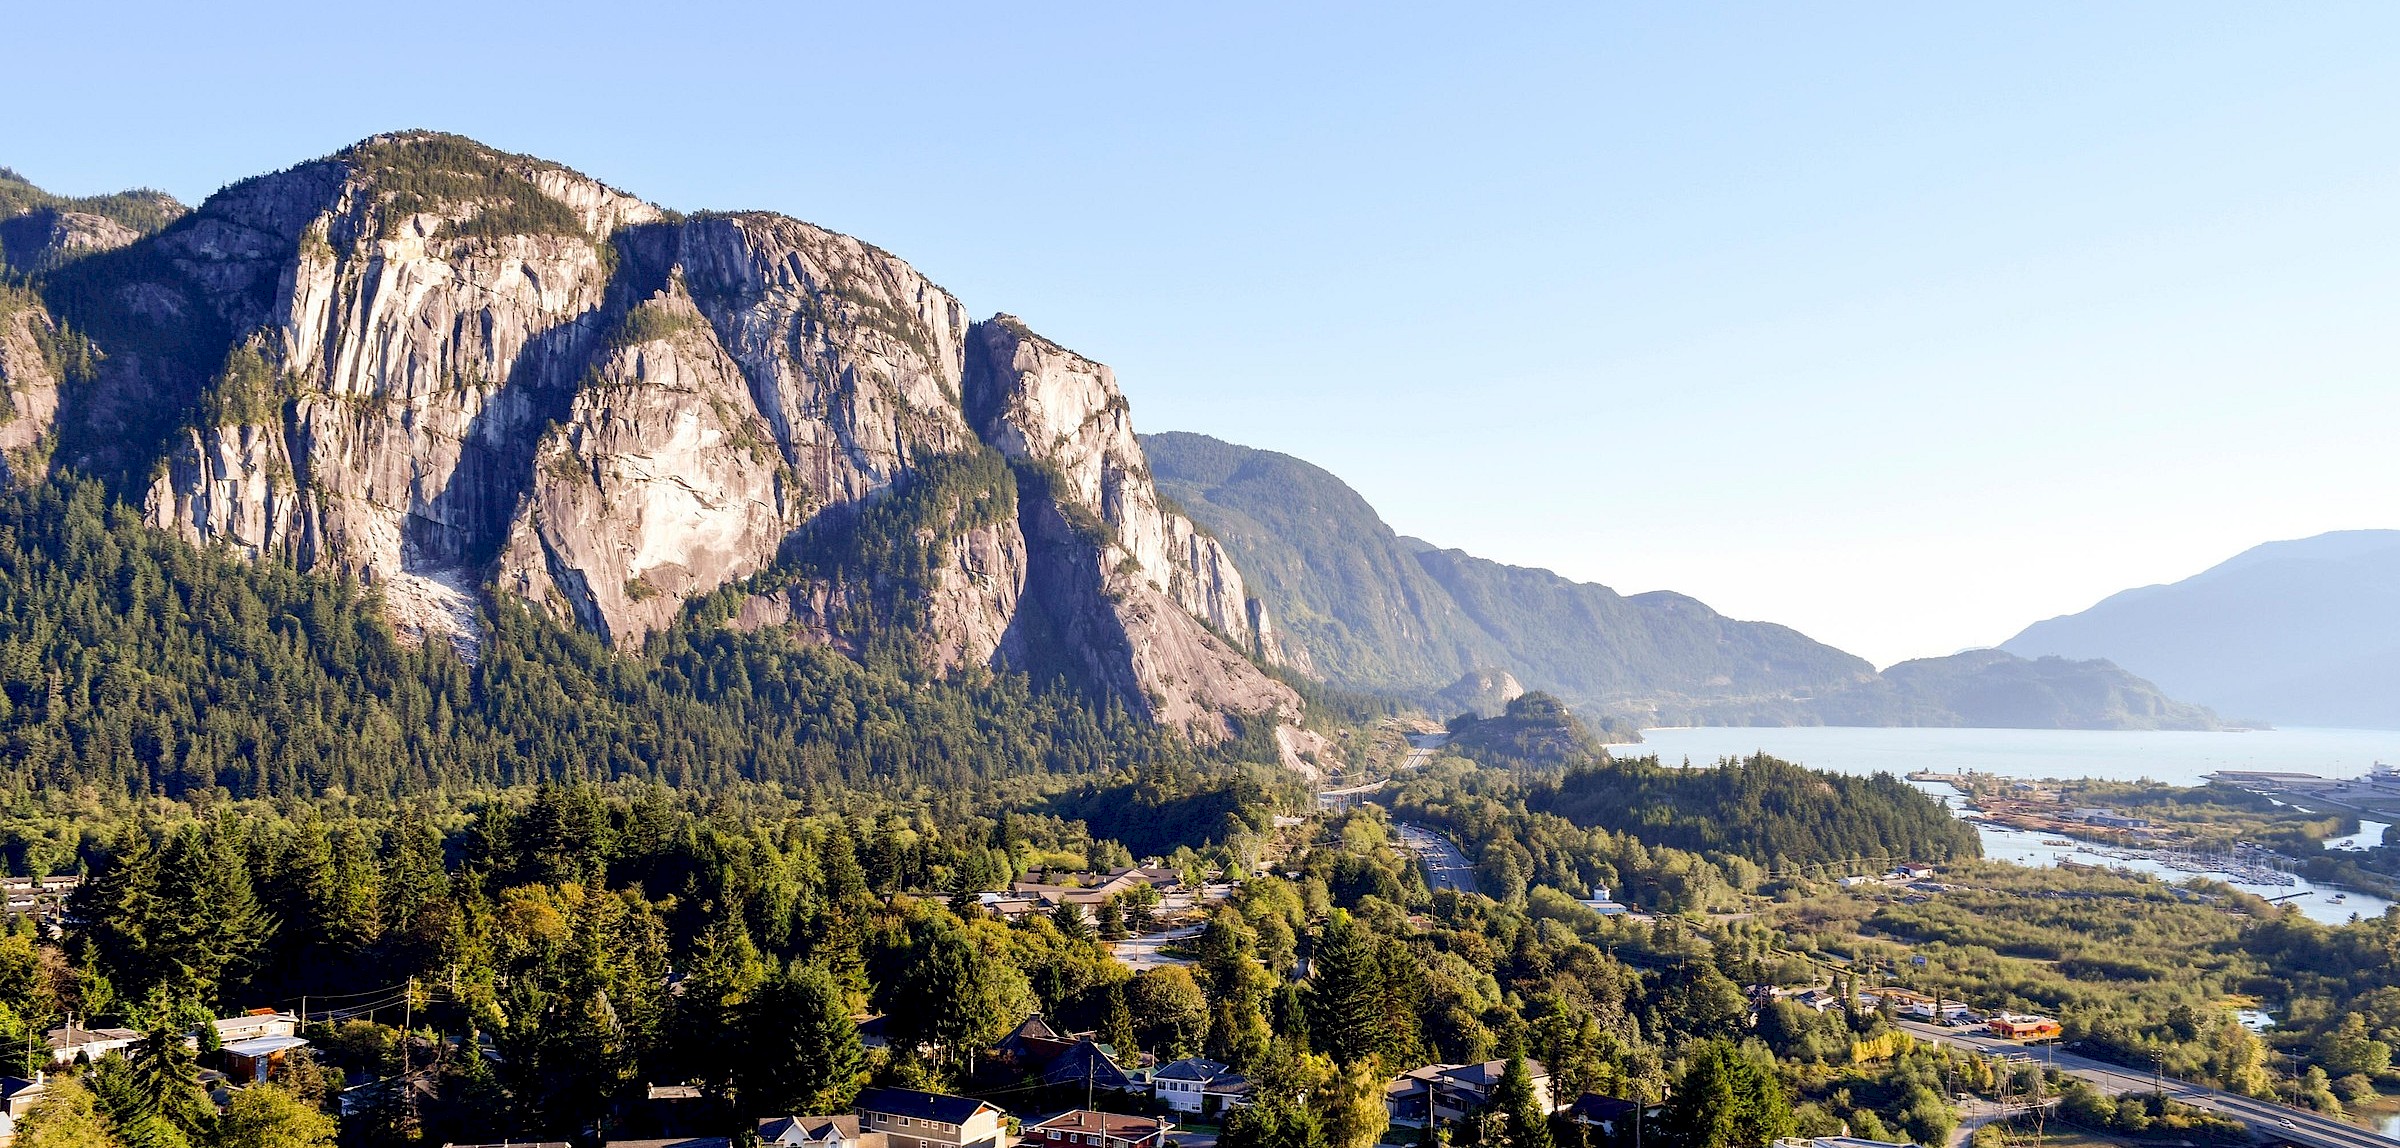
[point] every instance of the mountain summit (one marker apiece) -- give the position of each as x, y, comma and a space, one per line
456, 372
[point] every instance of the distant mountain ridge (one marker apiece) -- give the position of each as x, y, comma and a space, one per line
1373, 610
2298, 632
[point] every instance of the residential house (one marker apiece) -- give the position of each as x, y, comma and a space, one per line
1030, 1045
256, 1023
72, 1041
1034, 1047
1098, 1130
911, 1119
1602, 1114
43, 897
1089, 1064
1198, 1086
1818, 1000
1446, 1093
1915, 872
672, 1142
17, 1097
816, 1132
257, 1058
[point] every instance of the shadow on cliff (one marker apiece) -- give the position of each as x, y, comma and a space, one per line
466, 523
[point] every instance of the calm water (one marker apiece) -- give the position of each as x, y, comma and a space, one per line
2118, 755
2175, 758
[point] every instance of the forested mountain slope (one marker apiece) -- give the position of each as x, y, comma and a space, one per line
1372, 610
134, 662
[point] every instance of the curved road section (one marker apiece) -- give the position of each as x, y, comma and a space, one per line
2265, 1118
1445, 866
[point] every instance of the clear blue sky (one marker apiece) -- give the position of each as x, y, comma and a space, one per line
1902, 324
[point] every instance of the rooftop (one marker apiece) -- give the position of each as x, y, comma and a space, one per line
1109, 1123
922, 1105
258, 1046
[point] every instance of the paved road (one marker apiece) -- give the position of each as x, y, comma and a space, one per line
1142, 951
1421, 747
1445, 866
2264, 1117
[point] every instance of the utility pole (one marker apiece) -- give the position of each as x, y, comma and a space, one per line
408, 1094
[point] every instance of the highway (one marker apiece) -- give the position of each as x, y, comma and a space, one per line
1445, 866
1421, 747
2265, 1118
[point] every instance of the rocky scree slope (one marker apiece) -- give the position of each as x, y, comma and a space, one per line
452, 371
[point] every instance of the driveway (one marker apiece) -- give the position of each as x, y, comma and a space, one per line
1142, 951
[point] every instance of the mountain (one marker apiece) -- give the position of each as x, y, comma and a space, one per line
458, 374
1372, 610
1996, 689
2302, 632
40, 231
1356, 605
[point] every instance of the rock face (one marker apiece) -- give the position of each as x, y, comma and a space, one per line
1147, 600
1038, 401
29, 381
448, 371
661, 482
1484, 693
41, 240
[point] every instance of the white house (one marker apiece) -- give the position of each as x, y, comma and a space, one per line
1199, 1086
816, 1132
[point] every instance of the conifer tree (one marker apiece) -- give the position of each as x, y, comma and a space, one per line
1347, 1010
801, 1051
1116, 1024
1513, 1098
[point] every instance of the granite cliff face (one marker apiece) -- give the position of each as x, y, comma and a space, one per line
29, 381
454, 372
1155, 604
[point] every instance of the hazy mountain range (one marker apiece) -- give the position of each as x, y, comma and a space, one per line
1373, 610
2305, 632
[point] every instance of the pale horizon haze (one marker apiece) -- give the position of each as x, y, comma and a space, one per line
1905, 326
